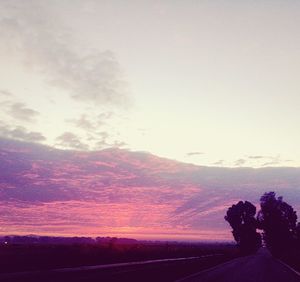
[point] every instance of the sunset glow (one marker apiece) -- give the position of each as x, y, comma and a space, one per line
116, 192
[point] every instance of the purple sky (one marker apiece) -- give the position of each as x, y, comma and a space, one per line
116, 192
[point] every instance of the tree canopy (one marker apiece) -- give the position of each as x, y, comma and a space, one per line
277, 220
241, 218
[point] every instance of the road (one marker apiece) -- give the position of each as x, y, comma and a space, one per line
261, 267
167, 270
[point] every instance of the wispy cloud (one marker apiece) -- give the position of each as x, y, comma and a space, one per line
219, 162
20, 133
119, 144
45, 45
83, 123
71, 141
269, 160
17, 110
21, 112
257, 157
5, 93
271, 163
91, 122
190, 154
240, 162
116, 188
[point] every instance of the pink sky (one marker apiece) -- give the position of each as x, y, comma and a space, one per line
121, 193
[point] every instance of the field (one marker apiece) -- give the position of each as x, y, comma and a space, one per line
40, 259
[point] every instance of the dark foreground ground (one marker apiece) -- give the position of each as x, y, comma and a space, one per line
140, 262
154, 271
169, 261
260, 267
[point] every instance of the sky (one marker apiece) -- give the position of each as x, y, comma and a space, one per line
116, 192
206, 82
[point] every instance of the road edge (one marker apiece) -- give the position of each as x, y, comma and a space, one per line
289, 267
205, 270
100, 266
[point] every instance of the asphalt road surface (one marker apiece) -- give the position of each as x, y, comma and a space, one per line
166, 270
261, 267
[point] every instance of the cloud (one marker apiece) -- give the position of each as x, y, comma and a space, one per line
119, 144
275, 161
194, 154
101, 139
118, 189
92, 122
219, 162
20, 133
104, 116
269, 160
105, 143
70, 140
35, 34
256, 157
91, 126
83, 123
5, 93
19, 111
240, 162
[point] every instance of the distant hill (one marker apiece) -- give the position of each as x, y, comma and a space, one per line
123, 193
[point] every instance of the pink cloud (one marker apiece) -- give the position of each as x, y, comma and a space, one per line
115, 191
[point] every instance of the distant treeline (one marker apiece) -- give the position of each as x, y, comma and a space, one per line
30, 239
57, 240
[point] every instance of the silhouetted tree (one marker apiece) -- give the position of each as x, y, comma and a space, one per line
241, 218
298, 230
297, 235
278, 221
